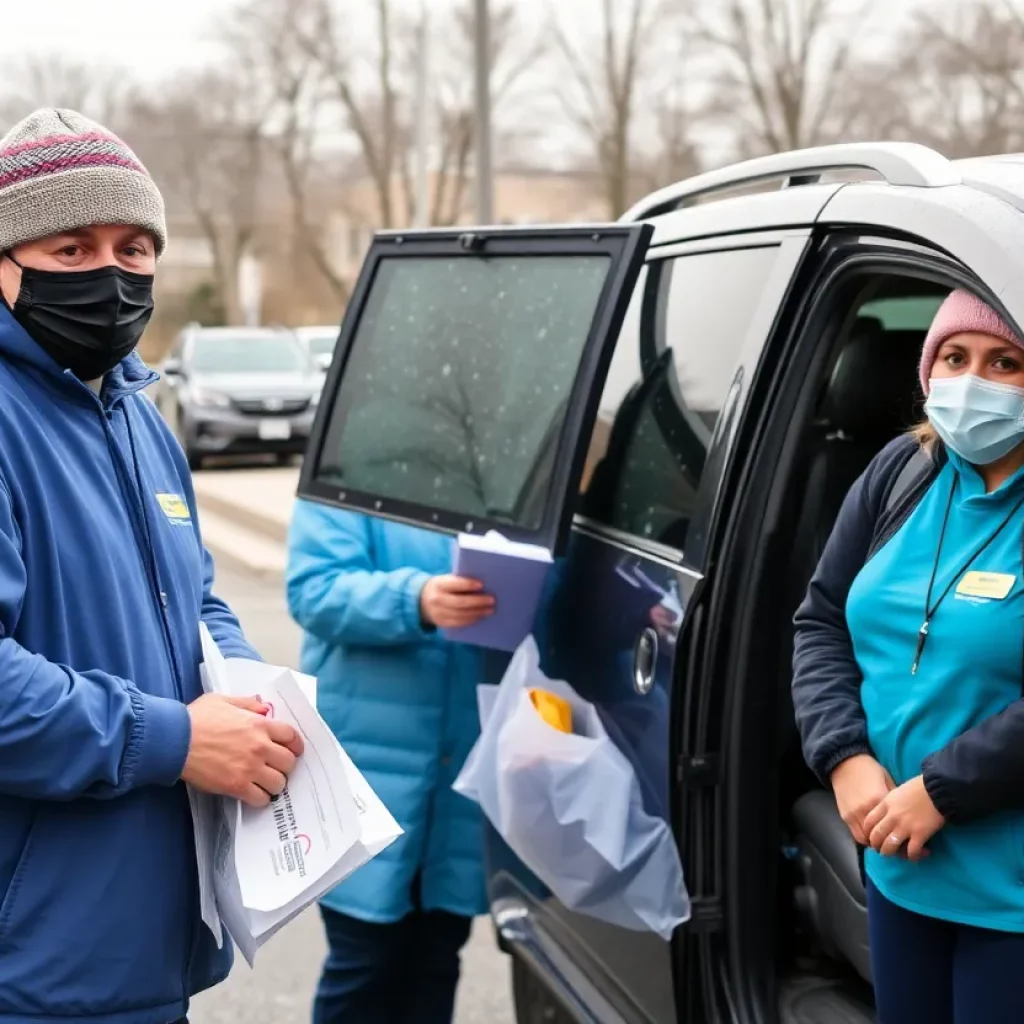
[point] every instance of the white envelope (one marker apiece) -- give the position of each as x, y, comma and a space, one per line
260, 867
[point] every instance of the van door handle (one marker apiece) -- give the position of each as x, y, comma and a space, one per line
645, 657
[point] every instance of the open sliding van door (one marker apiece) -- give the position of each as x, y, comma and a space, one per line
467, 376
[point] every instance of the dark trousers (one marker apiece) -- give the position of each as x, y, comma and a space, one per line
401, 973
928, 971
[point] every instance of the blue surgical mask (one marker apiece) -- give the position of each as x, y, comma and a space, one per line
978, 419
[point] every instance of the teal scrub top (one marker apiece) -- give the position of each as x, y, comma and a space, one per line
971, 669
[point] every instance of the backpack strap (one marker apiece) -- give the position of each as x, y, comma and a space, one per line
917, 466
906, 489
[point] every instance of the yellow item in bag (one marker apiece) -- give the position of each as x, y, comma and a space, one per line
555, 711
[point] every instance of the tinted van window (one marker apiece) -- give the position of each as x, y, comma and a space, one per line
671, 372
458, 381
904, 312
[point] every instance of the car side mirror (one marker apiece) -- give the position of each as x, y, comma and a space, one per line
172, 368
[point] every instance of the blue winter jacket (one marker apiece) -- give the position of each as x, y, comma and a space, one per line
401, 700
979, 773
103, 582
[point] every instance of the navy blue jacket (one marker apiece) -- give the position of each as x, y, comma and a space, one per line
103, 584
982, 770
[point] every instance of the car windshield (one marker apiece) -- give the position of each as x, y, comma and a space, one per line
323, 344
248, 353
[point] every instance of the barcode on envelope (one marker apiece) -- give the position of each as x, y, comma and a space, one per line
280, 819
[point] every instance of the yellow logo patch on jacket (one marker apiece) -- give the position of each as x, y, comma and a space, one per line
175, 507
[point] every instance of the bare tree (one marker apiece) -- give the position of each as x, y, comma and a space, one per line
54, 80
320, 79
377, 106
370, 103
273, 36
603, 84
206, 144
515, 53
778, 68
958, 82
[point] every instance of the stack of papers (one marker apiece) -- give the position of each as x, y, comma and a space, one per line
513, 574
261, 867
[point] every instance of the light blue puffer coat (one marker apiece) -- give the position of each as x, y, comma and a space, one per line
402, 702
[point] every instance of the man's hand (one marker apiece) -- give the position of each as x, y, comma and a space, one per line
451, 602
859, 784
236, 751
904, 816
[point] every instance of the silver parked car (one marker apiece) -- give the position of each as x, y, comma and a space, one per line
319, 343
239, 390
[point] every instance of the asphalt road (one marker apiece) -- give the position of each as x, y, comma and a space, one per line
280, 988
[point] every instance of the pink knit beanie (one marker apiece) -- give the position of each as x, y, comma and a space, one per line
962, 313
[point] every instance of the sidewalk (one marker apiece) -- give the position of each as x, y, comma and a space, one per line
244, 515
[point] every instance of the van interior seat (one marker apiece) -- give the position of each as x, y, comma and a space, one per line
871, 397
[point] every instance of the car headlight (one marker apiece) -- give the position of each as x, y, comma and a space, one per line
314, 399
203, 396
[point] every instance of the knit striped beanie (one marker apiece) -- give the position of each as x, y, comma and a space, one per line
60, 171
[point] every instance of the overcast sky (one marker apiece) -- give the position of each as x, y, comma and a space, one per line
151, 38
156, 36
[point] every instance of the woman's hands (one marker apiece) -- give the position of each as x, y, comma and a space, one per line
894, 820
904, 817
860, 785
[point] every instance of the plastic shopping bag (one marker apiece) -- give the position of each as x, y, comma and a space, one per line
569, 806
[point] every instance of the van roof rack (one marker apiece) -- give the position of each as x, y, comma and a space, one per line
897, 163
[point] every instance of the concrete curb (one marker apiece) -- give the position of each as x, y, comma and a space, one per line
225, 557
236, 546
245, 516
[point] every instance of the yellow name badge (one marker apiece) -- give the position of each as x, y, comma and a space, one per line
993, 585
174, 506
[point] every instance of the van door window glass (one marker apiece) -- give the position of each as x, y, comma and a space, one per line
670, 375
458, 381
903, 313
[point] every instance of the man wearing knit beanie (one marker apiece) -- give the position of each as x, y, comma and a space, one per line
104, 583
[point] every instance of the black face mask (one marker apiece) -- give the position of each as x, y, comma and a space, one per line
87, 321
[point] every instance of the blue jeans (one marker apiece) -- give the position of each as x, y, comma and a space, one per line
401, 973
928, 971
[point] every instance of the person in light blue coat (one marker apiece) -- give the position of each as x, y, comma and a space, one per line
370, 596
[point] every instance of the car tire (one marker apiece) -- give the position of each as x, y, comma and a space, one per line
284, 458
533, 1003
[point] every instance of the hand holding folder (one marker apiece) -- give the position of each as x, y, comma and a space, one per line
513, 574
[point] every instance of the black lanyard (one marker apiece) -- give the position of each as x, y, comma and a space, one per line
929, 608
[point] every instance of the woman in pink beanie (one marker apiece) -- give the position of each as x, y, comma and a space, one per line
908, 676
964, 322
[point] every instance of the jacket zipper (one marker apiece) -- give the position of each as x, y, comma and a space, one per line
143, 539
135, 505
